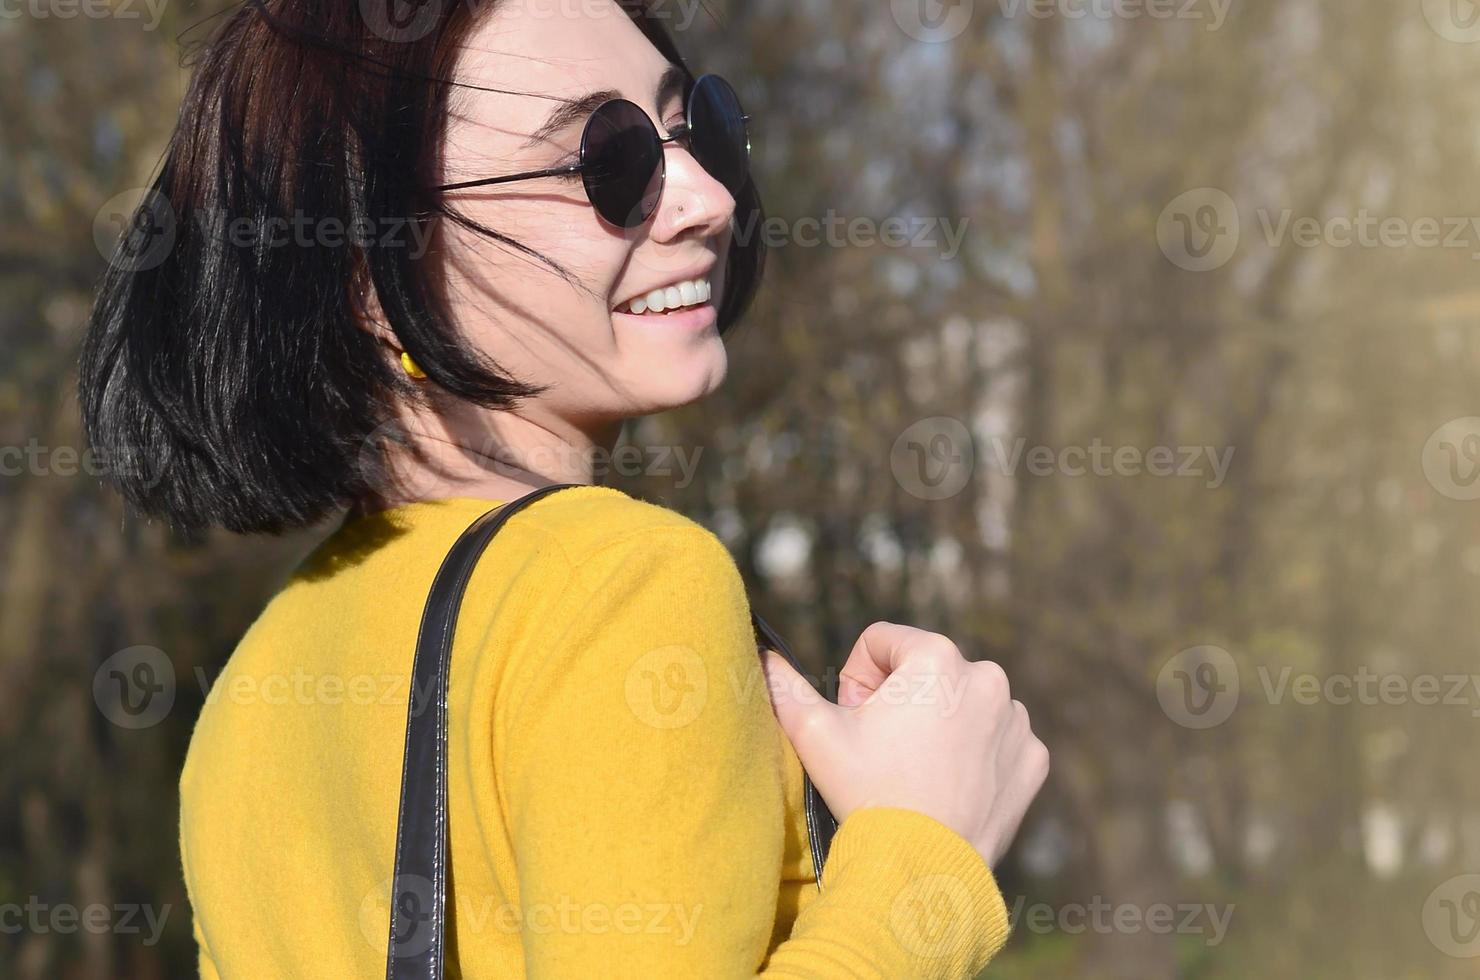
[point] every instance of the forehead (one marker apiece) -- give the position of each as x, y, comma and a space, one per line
550, 49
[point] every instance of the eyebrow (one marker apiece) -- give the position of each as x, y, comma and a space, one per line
672, 82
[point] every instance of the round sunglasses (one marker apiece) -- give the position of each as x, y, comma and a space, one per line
622, 162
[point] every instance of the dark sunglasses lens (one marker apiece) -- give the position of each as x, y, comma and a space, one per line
720, 141
622, 163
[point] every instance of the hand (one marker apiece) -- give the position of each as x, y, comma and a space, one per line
917, 726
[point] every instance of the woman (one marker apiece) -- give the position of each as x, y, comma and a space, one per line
417, 267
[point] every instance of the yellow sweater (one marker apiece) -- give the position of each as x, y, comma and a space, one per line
622, 800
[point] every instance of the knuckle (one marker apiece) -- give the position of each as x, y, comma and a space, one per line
1038, 759
931, 653
993, 678
811, 728
936, 659
945, 646
937, 650
1020, 720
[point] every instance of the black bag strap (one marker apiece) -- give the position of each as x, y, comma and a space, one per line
419, 888
821, 825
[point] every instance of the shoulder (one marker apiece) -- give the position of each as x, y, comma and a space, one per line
644, 589
596, 523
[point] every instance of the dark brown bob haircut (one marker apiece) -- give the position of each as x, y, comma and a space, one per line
231, 384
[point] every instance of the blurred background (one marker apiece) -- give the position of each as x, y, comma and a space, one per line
1130, 343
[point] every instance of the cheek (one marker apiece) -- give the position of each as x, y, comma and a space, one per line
513, 306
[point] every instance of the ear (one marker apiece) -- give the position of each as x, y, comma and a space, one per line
365, 304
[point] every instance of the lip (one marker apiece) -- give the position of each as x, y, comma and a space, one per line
699, 271
700, 317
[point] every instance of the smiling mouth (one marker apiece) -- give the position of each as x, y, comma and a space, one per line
679, 296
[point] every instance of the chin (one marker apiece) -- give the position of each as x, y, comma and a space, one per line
683, 379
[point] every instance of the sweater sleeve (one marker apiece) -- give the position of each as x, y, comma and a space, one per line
641, 769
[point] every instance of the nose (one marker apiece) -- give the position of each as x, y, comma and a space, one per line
692, 201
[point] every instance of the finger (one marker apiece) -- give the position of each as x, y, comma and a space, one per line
880, 650
800, 708
1012, 734
851, 691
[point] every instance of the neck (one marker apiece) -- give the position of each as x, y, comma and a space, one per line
469, 451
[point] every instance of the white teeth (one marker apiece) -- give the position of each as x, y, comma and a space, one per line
677, 296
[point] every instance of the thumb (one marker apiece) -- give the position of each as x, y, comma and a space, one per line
807, 718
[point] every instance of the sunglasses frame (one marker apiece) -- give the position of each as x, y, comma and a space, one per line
685, 133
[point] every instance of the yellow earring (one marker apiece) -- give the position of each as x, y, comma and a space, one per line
411, 367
